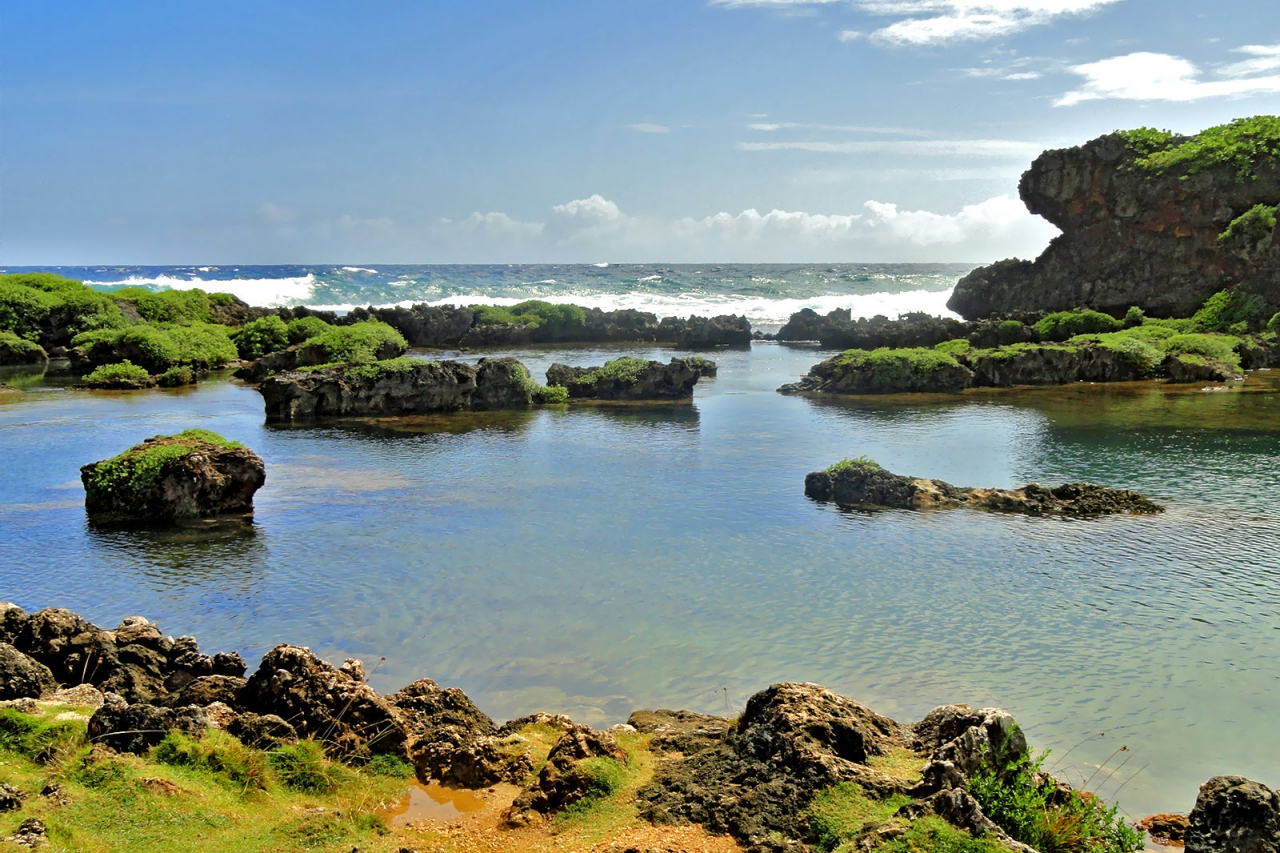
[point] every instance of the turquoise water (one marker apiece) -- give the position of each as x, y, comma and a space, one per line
598, 560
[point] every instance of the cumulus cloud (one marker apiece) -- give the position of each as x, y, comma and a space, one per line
1265, 58
1162, 77
943, 22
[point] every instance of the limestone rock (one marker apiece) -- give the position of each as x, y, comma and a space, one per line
680, 731
563, 780
1234, 815
21, 676
632, 379
137, 728
262, 731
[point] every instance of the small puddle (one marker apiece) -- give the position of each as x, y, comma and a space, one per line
431, 802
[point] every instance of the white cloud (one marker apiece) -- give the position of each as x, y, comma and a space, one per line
1007, 148
844, 128
943, 22
1265, 58
1157, 77
649, 128
849, 35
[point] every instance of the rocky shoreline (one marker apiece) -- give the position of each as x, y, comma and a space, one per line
763, 778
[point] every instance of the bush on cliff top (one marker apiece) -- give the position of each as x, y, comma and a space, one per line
1067, 324
266, 334
1241, 145
361, 343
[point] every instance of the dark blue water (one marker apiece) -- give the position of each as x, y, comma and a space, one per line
598, 560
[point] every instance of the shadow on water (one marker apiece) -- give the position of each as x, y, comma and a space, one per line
446, 423
228, 554
643, 415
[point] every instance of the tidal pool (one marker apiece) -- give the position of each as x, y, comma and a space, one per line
597, 560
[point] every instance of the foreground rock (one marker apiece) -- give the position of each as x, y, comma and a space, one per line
1151, 232
632, 379
195, 474
567, 777
135, 660
400, 386
857, 484
1234, 815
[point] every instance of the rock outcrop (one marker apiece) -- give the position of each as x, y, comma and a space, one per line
632, 379
135, 660
1234, 815
21, 676
137, 728
567, 777
860, 484
727, 330
169, 478
397, 387
1142, 231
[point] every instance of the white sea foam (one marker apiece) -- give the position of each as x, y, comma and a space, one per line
359, 269
265, 292
761, 311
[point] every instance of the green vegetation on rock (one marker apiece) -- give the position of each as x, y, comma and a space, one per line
625, 370
1145, 141
843, 812
1230, 311
123, 372
1217, 347
136, 470
305, 328
157, 348
955, 346
1139, 350
554, 318
1064, 325
917, 359
1242, 145
357, 344
50, 309
1250, 227
864, 463
258, 337
935, 835
16, 350
166, 306
371, 370
176, 376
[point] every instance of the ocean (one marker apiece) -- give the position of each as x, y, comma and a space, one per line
767, 294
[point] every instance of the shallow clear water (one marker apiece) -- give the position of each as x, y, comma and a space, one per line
602, 559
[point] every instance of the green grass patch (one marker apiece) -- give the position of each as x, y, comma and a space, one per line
1241, 145
957, 345
1140, 351
890, 361
218, 754
390, 766
935, 835
625, 370
36, 738
258, 337
125, 371
843, 812
361, 343
371, 370
303, 766
1064, 325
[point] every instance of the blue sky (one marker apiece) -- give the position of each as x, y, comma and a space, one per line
663, 130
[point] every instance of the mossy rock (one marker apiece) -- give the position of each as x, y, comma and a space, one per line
195, 474
16, 350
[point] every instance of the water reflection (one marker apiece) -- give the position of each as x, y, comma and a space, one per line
229, 555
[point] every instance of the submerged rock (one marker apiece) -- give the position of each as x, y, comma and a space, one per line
1136, 232
1234, 815
400, 386
632, 379
861, 483
195, 474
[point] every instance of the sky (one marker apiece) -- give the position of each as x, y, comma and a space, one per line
495, 131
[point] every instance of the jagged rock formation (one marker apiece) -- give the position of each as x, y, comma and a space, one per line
838, 330
1138, 231
862, 484
632, 379
1234, 815
195, 474
564, 779
397, 387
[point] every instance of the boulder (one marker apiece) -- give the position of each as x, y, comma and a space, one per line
170, 478
726, 330
862, 484
398, 387
21, 676
452, 741
632, 379
1234, 815
10, 798
680, 731
208, 689
321, 701
137, 728
564, 779
1134, 235
1169, 830
262, 731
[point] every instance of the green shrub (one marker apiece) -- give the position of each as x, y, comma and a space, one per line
358, 344
842, 812
1138, 350
1134, 317
51, 310
137, 469
1229, 310
218, 754
1067, 324
182, 307
124, 372
1217, 347
203, 344
390, 766
1241, 145
258, 337
888, 366
554, 318
958, 345
176, 377
1273, 325
549, 395
221, 299
1006, 788
16, 350
865, 463
1011, 332
302, 766
157, 349
1250, 227
598, 777
304, 328
625, 370
35, 738
1179, 325
1145, 141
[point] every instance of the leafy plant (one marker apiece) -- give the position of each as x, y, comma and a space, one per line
1218, 347
304, 328
1240, 145
1229, 310
955, 346
167, 306
124, 372
360, 343
258, 337
865, 463
176, 377
16, 350
1064, 325
1145, 141
1250, 227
